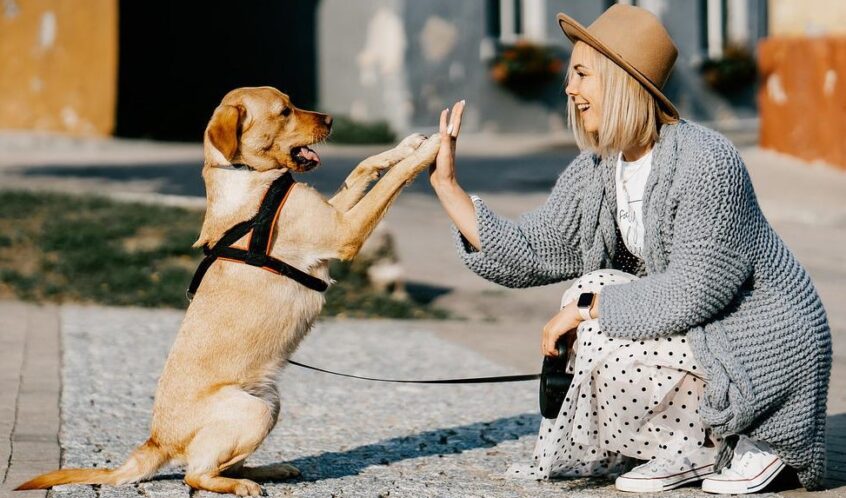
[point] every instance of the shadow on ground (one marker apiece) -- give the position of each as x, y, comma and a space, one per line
836, 452
431, 443
463, 438
451, 440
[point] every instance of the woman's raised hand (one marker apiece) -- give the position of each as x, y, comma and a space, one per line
442, 172
457, 204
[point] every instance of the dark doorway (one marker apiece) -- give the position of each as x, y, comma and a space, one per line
178, 59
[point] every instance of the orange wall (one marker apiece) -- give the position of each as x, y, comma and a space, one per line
58, 65
802, 97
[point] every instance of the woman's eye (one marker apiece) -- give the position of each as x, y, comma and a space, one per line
286, 112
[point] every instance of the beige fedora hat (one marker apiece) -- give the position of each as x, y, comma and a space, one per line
635, 40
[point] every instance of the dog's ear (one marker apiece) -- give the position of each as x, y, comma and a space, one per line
224, 130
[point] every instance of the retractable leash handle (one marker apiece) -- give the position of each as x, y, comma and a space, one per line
554, 381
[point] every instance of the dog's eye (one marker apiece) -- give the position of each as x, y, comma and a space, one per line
286, 111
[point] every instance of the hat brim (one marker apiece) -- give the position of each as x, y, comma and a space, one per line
576, 32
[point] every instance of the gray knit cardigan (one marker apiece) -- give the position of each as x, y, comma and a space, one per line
716, 270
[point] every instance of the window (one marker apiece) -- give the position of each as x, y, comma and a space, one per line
511, 20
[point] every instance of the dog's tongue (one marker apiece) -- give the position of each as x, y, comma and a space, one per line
309, 154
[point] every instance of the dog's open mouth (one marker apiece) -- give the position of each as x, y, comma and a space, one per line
305, 157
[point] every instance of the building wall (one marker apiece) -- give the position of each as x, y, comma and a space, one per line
59, 65
807, 17
406, 60
361, 60
802, 97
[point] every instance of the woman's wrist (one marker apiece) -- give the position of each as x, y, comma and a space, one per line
594, 308
445, 186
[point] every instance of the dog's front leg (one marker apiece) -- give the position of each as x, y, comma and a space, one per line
354, 187
357, 223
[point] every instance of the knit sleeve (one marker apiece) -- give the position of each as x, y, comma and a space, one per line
540, 248
708, 260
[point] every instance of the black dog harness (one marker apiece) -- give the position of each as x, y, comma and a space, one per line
260, 227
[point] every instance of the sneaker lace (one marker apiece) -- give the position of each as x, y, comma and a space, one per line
653, 466
747, 452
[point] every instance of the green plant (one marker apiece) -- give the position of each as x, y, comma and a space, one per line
345, 130
60, 247
732, 73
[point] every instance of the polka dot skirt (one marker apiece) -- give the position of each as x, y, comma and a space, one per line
629, 399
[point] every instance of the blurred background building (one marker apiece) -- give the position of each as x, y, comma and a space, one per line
404, 61
156, 69
153, 69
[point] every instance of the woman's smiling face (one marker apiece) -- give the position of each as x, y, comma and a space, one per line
584, 88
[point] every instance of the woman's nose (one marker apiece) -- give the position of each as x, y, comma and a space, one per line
571, 89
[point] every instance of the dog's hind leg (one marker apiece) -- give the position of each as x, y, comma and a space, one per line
212, 481
235, 425
213, 451
369, 170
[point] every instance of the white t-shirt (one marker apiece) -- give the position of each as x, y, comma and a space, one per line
631, 182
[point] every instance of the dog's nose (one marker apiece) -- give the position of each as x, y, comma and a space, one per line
328, 120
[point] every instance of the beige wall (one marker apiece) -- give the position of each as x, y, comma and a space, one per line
58, 65
807, 17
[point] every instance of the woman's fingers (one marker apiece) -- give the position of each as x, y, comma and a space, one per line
550, 337
443, 124
450, 123
455, 119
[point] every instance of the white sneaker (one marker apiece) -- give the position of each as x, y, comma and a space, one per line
753, 466
661, 475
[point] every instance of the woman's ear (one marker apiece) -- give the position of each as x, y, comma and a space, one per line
224, 129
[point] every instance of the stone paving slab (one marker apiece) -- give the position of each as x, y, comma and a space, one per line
349, 437
29, 393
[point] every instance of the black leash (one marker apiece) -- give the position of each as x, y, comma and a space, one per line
471, 380
554, 384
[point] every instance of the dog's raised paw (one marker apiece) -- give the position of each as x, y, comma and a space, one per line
411, 143
430, 146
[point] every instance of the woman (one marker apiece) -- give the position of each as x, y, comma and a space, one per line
708, 355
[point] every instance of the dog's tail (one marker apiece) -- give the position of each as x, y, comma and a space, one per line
142, 463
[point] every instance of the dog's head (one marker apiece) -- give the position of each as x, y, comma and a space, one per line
259, 126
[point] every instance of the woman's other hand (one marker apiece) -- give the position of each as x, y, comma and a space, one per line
442, 172
566, 321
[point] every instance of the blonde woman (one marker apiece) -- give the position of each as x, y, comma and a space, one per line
701, 348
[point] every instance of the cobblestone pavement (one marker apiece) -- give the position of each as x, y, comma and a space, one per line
349, 437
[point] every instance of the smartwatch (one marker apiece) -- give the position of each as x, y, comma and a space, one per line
584, 304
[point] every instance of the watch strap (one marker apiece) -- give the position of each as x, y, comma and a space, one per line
584, 311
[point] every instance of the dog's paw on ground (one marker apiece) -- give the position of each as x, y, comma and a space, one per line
246, 487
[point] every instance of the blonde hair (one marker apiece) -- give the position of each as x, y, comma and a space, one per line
630, 114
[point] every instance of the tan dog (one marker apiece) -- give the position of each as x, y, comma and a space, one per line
217, 398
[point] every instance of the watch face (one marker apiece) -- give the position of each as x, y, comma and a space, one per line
585, 300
